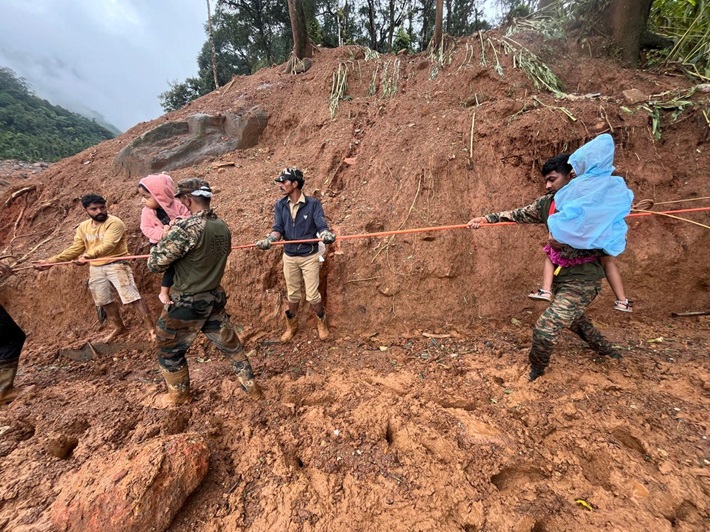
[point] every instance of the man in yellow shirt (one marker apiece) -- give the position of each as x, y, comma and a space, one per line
103, 236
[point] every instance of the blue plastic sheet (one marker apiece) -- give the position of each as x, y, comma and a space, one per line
592, 206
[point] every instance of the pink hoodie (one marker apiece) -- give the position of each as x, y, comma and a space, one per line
160, 187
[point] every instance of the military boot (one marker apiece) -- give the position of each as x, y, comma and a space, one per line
246, 377
8, 392
323, 332
178, 384
535, 373
291, 328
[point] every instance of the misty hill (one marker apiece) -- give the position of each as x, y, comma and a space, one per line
33, 129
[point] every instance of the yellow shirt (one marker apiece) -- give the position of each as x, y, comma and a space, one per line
94, 241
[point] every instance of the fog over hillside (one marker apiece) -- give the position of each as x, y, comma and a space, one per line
110, 58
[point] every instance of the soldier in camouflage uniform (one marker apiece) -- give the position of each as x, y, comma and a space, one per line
574, 288
198, 248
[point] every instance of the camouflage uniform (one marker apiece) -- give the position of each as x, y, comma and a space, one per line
573, 289
198, 247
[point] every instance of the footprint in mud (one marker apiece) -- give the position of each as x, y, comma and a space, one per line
597, 469
459, 403
12, 435
628, 440
308, 394
160, 422
510, 478
61, 445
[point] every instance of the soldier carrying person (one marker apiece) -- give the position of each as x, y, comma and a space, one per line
575, 286
198, 248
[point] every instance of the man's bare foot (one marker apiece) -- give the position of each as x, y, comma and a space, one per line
114, 334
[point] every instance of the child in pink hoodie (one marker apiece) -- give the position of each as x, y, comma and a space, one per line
160, 209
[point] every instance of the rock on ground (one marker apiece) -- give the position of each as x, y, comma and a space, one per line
141, 488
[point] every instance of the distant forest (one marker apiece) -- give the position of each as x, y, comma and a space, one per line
32, 129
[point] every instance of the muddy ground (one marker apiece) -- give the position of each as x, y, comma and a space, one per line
417, 415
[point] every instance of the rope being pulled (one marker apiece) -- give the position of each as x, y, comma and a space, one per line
635, 214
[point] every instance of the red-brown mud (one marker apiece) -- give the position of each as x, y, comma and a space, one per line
383, 428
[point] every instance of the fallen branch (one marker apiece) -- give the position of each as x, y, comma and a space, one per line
361, 280
557, 108
411, 207
26, 255
229, 85
470, 149
689, 314
436, 336
17, 222
19, 193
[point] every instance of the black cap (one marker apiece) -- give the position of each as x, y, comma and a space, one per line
290, 174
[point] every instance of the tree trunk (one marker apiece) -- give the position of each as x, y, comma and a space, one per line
627, 20
425, 26
448, 17
301, 45
436, 40
371, 24
214, 56
392, 22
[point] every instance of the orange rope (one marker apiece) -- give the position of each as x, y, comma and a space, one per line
382, 234
376, 235
678, 211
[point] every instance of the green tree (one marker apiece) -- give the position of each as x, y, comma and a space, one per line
402, 41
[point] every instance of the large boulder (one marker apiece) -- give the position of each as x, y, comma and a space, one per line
138, 489
201, 137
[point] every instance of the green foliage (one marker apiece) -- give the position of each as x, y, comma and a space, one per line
32, 129
537, 71
251, 34
248, 35
181, 94
687, 23
466, 18
402, 41
516, 8
673, 101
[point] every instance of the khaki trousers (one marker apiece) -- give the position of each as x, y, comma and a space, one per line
300, 271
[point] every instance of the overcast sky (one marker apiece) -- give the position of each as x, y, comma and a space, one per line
111, 56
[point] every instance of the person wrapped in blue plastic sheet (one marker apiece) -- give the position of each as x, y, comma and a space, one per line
591, 208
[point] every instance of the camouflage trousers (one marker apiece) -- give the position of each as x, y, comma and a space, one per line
566, 311
180, 323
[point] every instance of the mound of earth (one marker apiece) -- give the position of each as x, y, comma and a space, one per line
417, 414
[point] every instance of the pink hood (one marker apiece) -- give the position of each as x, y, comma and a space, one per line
161, 187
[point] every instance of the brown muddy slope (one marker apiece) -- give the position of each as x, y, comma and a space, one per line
383, 428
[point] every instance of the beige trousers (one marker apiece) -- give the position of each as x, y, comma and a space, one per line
300, 271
